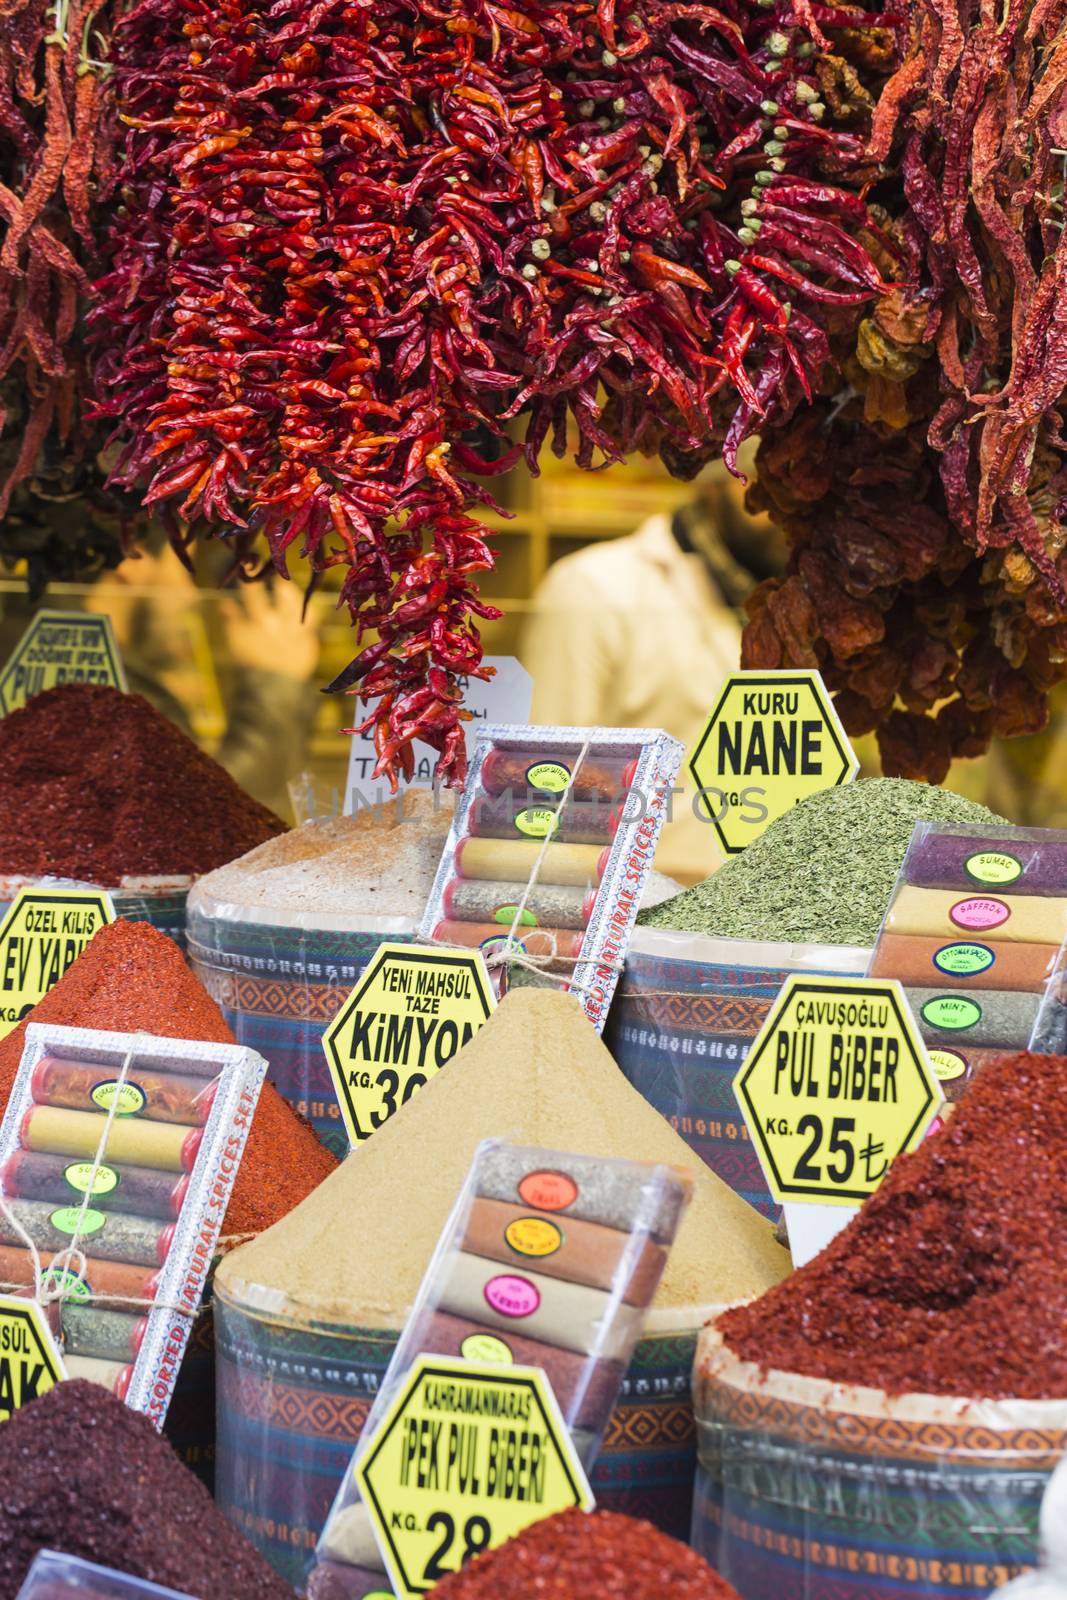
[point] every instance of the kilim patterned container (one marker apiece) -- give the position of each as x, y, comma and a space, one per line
809, 1490
293, 1399
684, 1017
279, 987
160, 901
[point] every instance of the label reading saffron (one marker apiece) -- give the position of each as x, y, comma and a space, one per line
130, 1098
978, 913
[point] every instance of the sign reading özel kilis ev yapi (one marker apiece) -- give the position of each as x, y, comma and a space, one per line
772, 738
467, 1456
835, 1087
414, 1007
30, 1363
60, 647
44, 931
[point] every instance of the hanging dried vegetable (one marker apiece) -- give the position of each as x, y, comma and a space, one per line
57, 131
357, 235
928, 578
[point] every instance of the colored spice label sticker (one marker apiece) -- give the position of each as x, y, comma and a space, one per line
772, 738
413, 1009
512, 1296
44, 931
977, 913
30, 1363
993, 866
486, 1347
964, 960
548, 1191
466, 1457
60, 647
533, 1236
79, 1175
537, 822
71, 1219
951, 1012
836, 1086
552, 776
947, 1065
131, 1098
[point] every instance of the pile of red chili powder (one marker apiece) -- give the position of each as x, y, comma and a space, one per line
99, 786
952, 1279
84, 1474
599, 1555
132, 978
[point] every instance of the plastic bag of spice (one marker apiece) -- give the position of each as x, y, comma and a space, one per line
683, 1020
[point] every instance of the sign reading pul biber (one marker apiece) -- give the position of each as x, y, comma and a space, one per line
835, 1087
413, 1009
60, 647
30, 1363
467, 1455
45, 930
773, 738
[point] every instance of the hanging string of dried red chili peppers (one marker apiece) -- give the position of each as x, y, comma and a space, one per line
358, 235
926, 501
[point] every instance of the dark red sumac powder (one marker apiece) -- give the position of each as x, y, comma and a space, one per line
952, 1279
98, 785
84, 1474
598, 1555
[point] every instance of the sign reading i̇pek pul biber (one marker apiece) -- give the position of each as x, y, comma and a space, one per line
414, 1007
772, 738
60, 647
30, 1363
43, 933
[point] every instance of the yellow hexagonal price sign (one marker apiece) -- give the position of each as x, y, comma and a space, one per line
773, 738
30, 1363
414, 1007
60, 647
467, 1456
45, 930
835, 1087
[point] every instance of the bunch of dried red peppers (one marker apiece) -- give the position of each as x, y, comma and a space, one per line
352, 244
925, 494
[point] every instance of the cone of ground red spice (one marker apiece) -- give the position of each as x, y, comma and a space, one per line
99, 786
133, 979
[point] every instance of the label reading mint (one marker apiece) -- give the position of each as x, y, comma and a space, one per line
537, 822
79, 1175
993, 866
978, 913
71, 1286
947, 1064
131, 1099
550, 775
533, 1236
69, 1219
950, 1011
486, 1347
506, 915
964, 960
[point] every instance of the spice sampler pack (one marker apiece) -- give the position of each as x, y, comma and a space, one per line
549, 849
118, 1154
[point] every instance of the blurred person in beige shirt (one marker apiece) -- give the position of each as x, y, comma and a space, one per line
640, 632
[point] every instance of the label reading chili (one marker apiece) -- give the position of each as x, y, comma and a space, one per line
511, 1296
964, 960
506, 915
533, 1236
947, 1064
130, 1098
977, 913
993, 866
950, 1011
537, 822
79, 1176
552, 776
69, 1219
486, 1347
548, 1191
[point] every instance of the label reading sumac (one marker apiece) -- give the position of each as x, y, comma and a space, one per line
537, 822
951, 1012
978, 912
993, 866
964, 960
79, 1176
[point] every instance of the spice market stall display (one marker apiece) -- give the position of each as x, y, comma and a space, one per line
133, 978
309, 1313
703, 969
280, 936
86, 1475
99, 788
890, 1415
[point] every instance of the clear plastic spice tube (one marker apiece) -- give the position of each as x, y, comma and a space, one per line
552, 772
110, 1280
113, 1375
142, 1241
86, 1086
562, 942
527, 816
146, 1191
546, 904
107, 1334
137, 1141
